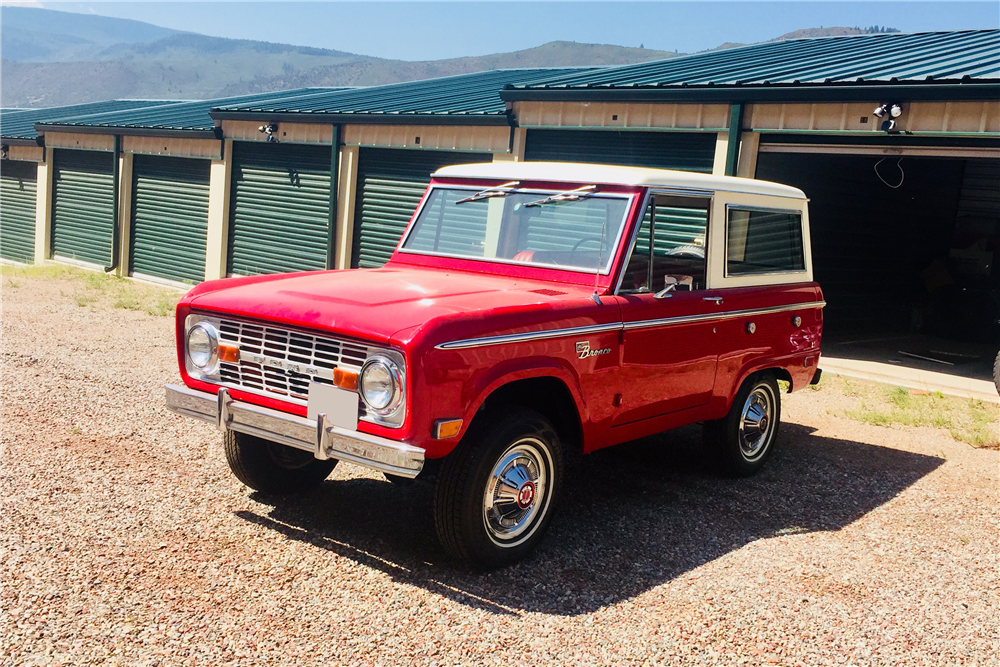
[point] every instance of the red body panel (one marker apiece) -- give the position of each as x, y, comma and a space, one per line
645, 380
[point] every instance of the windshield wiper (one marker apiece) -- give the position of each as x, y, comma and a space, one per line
569, 195
499, 191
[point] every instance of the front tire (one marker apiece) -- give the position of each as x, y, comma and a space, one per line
273, 468
496, 492
743, 440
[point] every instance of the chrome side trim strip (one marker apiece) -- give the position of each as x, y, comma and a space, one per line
725, 315
602, 328
529, 336
317, 436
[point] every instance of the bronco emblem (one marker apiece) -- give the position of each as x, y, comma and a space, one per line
583, 350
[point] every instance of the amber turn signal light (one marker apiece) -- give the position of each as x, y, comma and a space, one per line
447, 428
229, 353
345, 379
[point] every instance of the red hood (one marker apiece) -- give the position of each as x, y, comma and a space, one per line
376, 303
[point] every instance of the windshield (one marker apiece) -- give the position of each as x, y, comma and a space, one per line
578, 232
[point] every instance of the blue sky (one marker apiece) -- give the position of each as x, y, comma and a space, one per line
432, 30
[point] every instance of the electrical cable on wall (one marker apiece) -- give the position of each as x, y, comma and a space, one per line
902, 174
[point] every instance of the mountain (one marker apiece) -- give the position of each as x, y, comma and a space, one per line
51, 58
40, 35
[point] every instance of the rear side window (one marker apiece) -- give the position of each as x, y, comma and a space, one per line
763, 241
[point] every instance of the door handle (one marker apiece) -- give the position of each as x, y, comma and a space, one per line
716, 299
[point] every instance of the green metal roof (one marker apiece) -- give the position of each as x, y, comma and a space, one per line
19, 124
188, 118
962, 56
475, 97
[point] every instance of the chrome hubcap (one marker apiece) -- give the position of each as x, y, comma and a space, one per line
756, 423
517, 492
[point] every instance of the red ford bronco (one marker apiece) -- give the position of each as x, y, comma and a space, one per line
531, 310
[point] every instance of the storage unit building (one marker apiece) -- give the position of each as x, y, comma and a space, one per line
390, 139
904, 215
22, 153
167, 153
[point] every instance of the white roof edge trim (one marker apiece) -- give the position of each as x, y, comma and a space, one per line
575, 172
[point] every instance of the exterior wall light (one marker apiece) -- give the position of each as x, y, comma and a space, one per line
269, 129
893, 110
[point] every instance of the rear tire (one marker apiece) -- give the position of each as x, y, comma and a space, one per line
273, 468
996, 372
497, 491
743, 440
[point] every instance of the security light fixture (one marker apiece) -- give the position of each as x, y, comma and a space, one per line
893, 110
269, 129
4, 152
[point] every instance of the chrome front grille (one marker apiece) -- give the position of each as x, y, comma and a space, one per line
282, 362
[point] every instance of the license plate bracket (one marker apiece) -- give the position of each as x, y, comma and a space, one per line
339, 405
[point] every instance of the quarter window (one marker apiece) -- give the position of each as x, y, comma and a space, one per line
763, 241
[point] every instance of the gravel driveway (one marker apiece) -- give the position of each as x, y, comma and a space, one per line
126, 541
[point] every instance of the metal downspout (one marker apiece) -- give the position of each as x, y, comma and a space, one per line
115, 213
331, 241
735, 130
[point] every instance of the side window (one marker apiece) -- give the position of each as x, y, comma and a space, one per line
670, 246
763, 241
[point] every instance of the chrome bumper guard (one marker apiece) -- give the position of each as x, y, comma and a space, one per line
313, 435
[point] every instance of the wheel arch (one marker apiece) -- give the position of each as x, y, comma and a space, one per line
547, 395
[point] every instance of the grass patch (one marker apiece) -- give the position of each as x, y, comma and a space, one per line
97, 289
968, 420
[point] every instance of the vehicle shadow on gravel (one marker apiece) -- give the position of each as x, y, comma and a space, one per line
633, 517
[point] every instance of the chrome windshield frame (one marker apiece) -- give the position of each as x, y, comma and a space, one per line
606, 269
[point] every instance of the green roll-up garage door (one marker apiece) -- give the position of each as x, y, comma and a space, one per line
17, 210
280, 208
169, 217
83, 202
687, 151
390, 185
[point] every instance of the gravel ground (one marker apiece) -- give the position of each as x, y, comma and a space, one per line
126, 541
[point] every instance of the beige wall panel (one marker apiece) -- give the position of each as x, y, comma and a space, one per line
479, 138
956, 117
623, 115
94, 142
206, 148
26, 153
293, 133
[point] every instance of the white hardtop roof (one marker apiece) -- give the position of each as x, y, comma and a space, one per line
575, 172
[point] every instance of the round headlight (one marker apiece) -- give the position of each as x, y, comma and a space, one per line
380, 385
203, 346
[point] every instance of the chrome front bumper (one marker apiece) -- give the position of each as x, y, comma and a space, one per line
314, 435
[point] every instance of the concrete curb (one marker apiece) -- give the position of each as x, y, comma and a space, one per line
911, 378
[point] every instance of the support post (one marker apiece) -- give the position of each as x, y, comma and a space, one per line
124, 221
43, 208
721, 151
217, 243
347, 188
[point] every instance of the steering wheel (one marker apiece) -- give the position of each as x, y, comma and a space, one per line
584, 240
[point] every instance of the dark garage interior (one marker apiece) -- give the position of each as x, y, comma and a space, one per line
904, 248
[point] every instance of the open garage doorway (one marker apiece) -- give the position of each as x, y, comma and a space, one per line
905, 249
